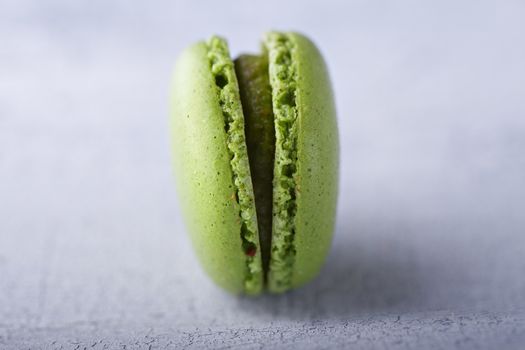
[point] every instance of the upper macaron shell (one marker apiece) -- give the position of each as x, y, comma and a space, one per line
203, 172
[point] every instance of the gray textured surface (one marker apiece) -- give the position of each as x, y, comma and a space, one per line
430, 244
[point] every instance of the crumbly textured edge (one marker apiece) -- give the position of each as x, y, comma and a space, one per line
283, 80
228, 94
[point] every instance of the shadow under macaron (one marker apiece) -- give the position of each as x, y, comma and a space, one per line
361, 276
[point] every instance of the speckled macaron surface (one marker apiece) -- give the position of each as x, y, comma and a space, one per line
255, 153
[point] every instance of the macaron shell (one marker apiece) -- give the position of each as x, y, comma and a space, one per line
317, 162
203, 172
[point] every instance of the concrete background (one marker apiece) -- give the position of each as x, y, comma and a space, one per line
429, 250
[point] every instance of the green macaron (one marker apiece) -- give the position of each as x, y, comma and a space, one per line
255, 149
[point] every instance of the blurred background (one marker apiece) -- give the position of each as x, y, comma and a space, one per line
429, 249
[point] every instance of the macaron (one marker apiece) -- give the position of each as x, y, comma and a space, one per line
255, 153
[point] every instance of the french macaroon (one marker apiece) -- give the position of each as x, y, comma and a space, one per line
255, 152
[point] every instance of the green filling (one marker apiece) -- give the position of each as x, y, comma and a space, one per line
256, 98
228, 93
283, 76
266, 87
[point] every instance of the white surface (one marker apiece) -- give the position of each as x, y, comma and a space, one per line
429, 250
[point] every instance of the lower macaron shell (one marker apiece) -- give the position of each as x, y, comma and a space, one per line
317, 162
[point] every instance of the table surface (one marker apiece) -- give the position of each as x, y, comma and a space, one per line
429, 248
